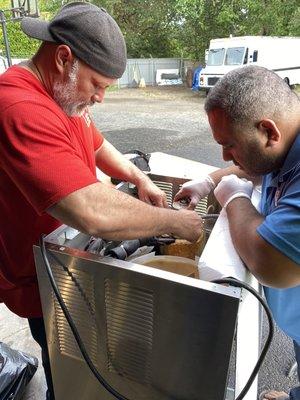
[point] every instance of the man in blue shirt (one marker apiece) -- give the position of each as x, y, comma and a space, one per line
255, 117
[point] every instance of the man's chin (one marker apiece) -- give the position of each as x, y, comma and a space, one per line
251, 174
76, 111
83, 107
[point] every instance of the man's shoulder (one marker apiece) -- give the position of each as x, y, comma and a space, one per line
18, 85
15, 76
21, 91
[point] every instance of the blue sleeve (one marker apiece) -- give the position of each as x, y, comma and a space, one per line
281, 228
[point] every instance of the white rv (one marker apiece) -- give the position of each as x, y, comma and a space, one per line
280, 54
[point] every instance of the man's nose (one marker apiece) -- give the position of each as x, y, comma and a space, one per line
98, 97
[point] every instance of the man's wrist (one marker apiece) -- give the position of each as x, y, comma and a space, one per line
138, 177
236, 196
210, 182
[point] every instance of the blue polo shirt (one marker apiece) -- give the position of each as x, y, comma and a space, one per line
280, 204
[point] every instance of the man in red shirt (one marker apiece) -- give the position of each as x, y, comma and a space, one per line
49, 150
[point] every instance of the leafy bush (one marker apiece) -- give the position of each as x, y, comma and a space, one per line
21, 46
176, 28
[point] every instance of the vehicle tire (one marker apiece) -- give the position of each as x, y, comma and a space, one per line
207, 91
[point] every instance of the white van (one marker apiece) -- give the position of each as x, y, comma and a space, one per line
280, 54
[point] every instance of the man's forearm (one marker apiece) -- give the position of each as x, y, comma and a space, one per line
105, 212
114, 164
243, 221
265, 262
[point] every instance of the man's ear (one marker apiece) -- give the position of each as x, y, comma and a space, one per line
63, 57
270, 131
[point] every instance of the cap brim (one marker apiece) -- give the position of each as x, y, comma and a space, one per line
36, 28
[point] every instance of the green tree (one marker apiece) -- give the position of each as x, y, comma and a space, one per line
294, 24
269, 17
147, 26
177, 28
202, 20
21, 46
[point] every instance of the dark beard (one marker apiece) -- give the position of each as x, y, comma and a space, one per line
261, 164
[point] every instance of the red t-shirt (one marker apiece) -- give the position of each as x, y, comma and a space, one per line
44, 156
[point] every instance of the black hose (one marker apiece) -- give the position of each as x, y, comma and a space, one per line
237, 283
127, 247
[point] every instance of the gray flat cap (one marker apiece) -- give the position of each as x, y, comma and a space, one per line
90, 32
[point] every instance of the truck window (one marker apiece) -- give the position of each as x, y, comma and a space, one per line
255, 55
234, 56
215, 57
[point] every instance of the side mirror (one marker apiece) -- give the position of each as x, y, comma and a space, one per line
206, 55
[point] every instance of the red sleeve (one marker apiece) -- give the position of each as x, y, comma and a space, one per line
43, 155
98, 139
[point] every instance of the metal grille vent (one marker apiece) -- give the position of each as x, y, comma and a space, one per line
167, 188
212, 81
79, 297
201, 207
129, 319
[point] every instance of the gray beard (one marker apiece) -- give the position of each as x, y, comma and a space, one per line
64, 94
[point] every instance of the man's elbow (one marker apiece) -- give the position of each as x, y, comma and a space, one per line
98, 226
275, 273
85, 222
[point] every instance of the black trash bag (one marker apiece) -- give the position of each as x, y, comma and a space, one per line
16, 371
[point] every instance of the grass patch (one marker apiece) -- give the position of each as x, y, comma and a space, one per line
296, 88
113, 88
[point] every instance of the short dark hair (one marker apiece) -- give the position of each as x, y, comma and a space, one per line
249, 93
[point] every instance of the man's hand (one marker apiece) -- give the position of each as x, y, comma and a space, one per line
189, 225
151, 194
232, 187
195, 190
